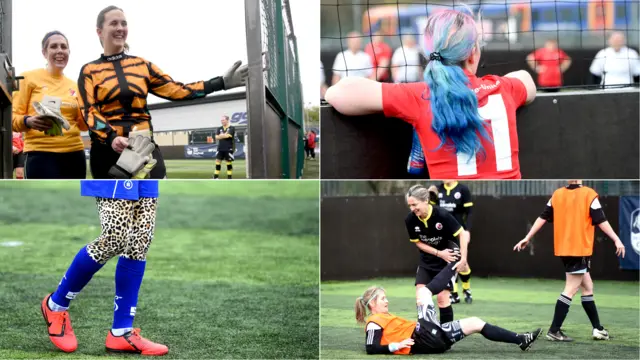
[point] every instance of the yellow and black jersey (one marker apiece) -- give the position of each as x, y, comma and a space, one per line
436, 230
457, 200
114, 93
227, 144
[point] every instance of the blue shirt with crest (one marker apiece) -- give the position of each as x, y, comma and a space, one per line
120, 189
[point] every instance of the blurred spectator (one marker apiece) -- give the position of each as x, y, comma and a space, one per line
323, 84
617, 64
353, 61
311, 145
549, 62
380, 54
406, 63
18, 155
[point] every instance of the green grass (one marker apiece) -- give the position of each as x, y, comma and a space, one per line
312, 168
516, 304
232, 271
203, 169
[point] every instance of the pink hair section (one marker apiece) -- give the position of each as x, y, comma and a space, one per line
443, 22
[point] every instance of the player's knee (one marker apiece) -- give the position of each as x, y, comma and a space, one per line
471, 325
587, 288
105, 247
571, 289
478, 323
423, 296
443, 299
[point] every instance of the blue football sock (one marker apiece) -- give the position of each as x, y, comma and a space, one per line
129, 274
76, 278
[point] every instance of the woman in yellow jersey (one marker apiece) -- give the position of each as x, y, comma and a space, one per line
575, 212
114, 91
390, 334
50, 157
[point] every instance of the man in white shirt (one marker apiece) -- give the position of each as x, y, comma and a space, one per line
353, 61
617, 64
406, 64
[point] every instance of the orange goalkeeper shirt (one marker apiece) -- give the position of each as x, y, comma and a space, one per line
573, 228
394, 329
114, 93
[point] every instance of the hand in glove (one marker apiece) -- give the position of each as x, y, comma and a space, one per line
55, 130
49, 108
134, 158
236, 76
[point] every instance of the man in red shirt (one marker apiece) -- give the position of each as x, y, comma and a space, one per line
549, 63
311, 144
380, 54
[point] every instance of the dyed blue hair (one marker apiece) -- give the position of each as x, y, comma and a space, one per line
454, 105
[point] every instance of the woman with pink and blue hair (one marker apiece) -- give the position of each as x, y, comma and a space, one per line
466, 125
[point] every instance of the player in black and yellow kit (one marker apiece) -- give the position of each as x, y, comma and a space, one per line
432, 229
225, 135
114, 92
456, 198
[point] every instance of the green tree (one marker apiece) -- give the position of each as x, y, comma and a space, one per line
312, 116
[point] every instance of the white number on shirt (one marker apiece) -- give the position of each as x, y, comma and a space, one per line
496, 111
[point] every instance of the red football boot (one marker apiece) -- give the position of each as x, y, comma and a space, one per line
132, 342
59, 327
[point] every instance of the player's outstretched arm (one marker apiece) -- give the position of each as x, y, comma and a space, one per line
355, 96
606, 228
528, 82
534, 229
464, 245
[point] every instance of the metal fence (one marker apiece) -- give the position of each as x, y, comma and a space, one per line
7, 86
275, 104
478, 188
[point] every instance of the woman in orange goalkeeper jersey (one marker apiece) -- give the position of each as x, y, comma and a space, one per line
114, 90
390, 334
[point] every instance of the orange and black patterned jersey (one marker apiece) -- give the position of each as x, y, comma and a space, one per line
114, 94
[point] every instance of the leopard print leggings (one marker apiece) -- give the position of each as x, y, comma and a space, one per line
127, 229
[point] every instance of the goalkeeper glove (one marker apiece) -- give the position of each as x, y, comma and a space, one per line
49, 107
236, 76
135, 158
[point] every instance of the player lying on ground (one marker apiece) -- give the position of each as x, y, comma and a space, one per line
127, 211
466, 124
574, 210
387, 333
432, 229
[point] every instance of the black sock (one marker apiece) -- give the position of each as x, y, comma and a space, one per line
446, 314
495, 333
562, 309
589, 306
440, 281
216, 174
